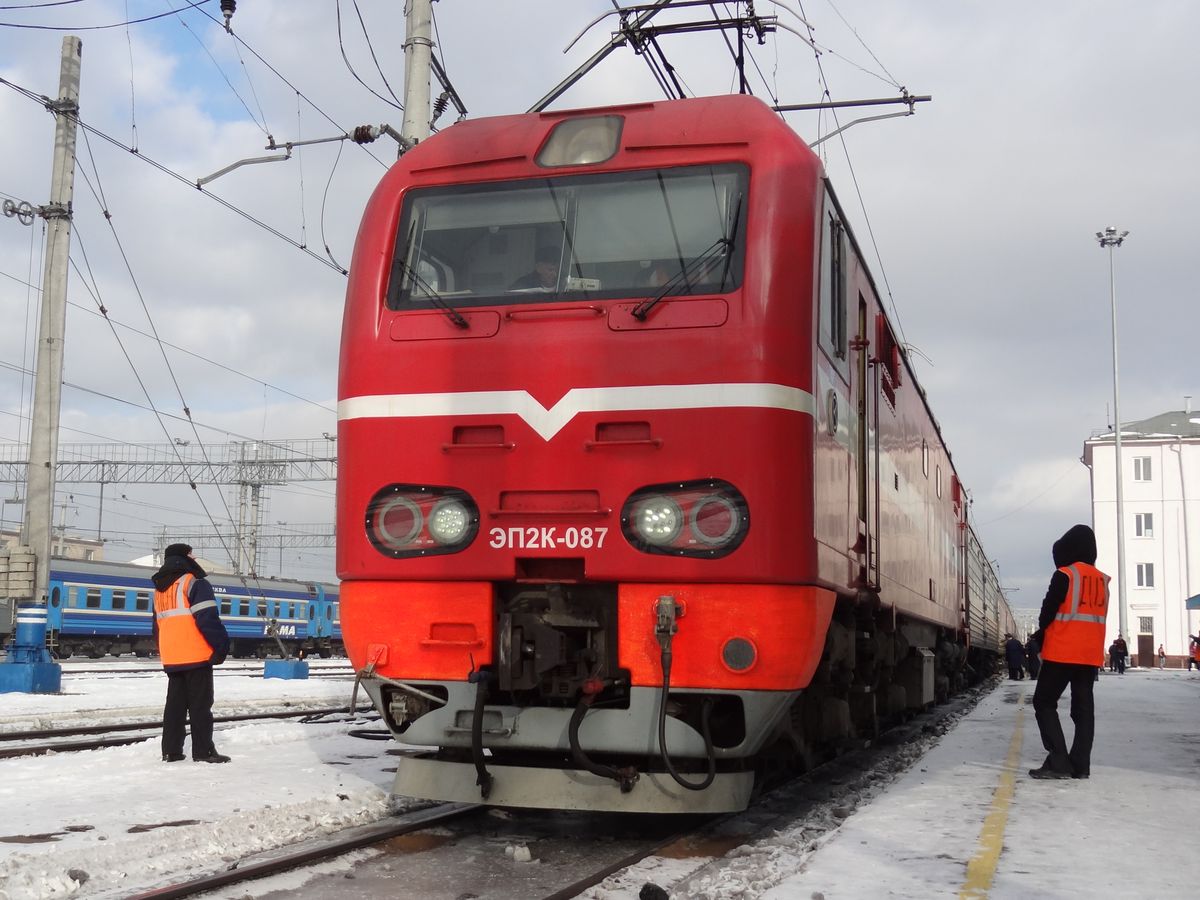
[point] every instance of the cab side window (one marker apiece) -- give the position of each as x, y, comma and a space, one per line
832, 297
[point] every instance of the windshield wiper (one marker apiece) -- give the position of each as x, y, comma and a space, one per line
429, 290
722, 244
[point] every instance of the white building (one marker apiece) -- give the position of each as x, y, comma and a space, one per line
1160, 477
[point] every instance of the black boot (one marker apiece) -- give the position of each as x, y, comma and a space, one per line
1046, 772
212, 756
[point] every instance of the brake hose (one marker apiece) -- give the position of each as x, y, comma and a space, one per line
627, 777
665, 630
484, 778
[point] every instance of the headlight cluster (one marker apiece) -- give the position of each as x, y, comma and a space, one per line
414, 520
706, 519
696, 518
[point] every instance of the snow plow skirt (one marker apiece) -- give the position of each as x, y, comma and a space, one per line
526, 786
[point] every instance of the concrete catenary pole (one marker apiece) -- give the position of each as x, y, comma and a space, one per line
418, 48
47, 390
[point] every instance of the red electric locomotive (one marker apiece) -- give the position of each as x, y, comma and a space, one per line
637, 494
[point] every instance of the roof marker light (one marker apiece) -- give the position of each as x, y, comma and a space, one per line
581, 142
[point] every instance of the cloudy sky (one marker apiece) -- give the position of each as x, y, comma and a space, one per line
1048, 122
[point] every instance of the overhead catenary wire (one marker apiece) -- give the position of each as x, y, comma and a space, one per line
395, 101
159, 416
191, 4
261, 119
858, 190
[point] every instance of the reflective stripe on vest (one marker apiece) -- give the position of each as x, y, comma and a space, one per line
1077, 633
1075, 591
179, 640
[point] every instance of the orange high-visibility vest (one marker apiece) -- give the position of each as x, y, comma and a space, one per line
1077, 633
179, 640
1196, 651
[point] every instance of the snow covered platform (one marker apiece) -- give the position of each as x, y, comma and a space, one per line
968, 821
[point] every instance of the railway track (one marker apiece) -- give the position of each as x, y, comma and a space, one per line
57, 740
457, 850
225, 670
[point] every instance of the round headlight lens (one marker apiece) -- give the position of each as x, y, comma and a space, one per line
449, 521
714, 520
397, 522
658, 520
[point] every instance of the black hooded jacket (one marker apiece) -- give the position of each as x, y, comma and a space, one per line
1077, 545
208, 620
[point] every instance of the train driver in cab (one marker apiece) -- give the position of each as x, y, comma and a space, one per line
544, 275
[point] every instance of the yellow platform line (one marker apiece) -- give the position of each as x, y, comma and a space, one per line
982, 867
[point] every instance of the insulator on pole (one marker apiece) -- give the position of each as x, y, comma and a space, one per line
227, 9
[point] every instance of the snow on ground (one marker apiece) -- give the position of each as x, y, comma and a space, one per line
1127, 831
111, 822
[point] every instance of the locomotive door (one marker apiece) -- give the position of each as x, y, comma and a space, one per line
867, 456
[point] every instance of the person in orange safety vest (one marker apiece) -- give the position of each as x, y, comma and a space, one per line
191, 640
1071, 635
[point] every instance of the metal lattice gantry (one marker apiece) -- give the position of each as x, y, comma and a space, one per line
250, 465
242, 462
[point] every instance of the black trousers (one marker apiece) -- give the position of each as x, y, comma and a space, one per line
1053, 679
189, 697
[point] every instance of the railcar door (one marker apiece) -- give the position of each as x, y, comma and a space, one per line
867, 455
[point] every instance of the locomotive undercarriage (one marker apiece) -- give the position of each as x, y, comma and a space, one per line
555, 721
875, 670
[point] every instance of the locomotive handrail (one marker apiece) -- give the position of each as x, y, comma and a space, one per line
633, 442
548, 312
446, 448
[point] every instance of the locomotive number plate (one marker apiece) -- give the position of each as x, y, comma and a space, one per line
543, 538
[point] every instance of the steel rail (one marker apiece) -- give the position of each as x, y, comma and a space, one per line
364, 838
71, 746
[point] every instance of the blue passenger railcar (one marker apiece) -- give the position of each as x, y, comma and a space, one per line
97, 608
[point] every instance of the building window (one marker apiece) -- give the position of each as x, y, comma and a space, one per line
1145, 624
925, 457
1145, 575
1141, 468
1143, 524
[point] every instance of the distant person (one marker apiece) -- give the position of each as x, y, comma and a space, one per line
191, 640
1122, 654
1033, 662
1193, 652
1113, 652
1162, 657
544, 275
1071, 636
1014, 654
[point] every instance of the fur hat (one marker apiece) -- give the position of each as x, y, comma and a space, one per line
177, 550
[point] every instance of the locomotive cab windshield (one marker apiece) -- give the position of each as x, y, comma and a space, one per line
625, 234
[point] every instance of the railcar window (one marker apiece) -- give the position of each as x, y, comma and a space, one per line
119, 599
626, 234
93, 598
142, 600
226, 607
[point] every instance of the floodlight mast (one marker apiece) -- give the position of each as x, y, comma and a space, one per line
1110, 239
